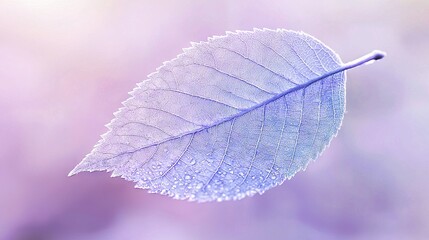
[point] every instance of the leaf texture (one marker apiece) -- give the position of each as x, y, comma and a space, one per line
228, 118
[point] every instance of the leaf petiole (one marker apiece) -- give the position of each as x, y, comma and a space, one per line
367, 59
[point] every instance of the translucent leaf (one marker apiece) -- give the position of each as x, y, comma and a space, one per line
228, 118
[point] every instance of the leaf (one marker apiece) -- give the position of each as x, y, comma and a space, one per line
228, 118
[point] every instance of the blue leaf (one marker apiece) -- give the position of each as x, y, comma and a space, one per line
228, 118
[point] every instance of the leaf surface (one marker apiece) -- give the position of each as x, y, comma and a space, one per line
227, 118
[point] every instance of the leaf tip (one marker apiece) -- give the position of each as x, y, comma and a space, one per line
73, 172
81, 167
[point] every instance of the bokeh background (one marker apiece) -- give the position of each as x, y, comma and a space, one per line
65, 67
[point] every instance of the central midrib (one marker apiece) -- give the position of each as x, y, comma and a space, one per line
241, 113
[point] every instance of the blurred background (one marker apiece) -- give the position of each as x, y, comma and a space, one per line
65, 67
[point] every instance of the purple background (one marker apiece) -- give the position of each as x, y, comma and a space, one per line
65, 66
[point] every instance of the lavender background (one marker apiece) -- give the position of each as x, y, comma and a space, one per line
65, 66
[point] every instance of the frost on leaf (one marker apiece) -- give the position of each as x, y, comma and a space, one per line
228, 118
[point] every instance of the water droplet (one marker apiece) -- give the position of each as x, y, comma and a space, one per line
273, 177
166, 150
187, 177
192, 161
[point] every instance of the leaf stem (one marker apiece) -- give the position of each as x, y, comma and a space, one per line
369, 58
